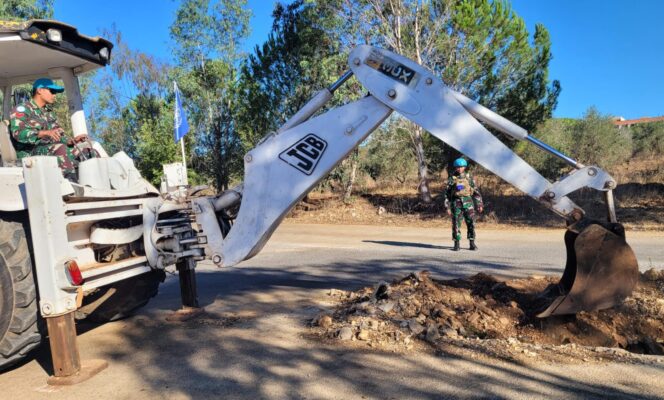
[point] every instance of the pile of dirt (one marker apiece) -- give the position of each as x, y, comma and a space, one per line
495, 318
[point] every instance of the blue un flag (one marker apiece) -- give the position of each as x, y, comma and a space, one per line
180, 123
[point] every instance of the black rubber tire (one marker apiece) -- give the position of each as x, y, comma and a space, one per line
20, 324
120, 299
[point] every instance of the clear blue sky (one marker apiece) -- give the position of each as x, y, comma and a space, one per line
608, 54
145, 24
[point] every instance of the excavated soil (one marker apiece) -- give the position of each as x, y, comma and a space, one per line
482, 316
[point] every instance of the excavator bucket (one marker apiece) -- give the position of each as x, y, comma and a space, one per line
601, 270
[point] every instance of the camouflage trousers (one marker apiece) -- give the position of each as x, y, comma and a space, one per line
463, 208
68, 156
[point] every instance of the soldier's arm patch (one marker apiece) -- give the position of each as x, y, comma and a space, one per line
21, 130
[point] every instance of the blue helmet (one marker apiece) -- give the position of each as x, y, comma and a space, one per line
460, 162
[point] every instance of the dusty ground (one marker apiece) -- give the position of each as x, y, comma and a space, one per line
419, 313
255, 342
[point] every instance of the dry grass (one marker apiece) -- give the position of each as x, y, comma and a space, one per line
639, 202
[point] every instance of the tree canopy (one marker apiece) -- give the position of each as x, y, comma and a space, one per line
17, 10
233, 99
478, 47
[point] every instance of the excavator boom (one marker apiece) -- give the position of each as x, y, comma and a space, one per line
601, 269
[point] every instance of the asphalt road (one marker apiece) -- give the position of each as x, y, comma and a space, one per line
253, 341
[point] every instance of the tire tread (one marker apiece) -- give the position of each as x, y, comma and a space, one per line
23, 334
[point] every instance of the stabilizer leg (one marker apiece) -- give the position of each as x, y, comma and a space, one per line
67, 366
188, 292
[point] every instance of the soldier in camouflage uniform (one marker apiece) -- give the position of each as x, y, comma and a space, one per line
35, 131
461, 198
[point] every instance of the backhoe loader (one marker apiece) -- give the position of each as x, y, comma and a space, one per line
97, 248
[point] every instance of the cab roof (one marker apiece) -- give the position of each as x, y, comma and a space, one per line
28, 51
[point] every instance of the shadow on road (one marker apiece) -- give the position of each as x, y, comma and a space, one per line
268, 356
409, 244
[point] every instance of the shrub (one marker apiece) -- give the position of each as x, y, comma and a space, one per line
648, 138
596, 140
592, 140
389, 156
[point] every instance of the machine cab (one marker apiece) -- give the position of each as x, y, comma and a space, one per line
42, 48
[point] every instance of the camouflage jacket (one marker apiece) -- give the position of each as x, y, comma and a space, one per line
25, 122
461, 188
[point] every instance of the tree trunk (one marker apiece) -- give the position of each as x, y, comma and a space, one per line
422, 170
348, 190
217, 162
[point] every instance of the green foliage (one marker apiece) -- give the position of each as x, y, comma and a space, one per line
596, 140
301, 56
488, 56
154, 137
110, 121
203, 29
18, 10
648, 138
298, 58
478, 47
557, 133
207, 36
389, 154
592, 140
211, 100
493, 61
531, 101
144, 130
144, 73
130, 109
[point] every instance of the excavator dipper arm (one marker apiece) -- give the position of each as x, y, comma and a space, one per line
426, 101
283, 168
601, 268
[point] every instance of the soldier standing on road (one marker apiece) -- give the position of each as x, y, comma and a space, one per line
36, 132
461, 198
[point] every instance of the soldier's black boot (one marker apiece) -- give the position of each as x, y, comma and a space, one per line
472, 245
457, 247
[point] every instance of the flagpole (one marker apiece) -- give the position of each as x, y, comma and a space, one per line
184, 160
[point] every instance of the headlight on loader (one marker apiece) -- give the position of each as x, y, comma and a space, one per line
54, 35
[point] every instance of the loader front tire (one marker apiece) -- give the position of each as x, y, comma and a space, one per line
19, 314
